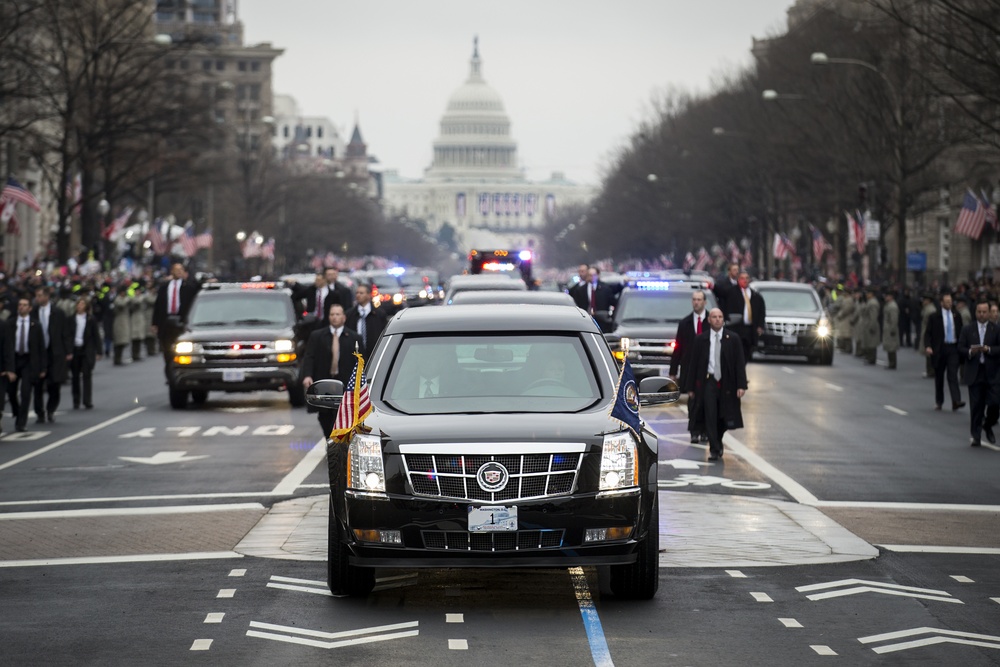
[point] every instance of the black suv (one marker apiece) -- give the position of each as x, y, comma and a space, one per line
645, 321
239, 337
796, 323
490, 445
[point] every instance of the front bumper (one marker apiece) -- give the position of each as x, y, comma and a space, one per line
807, 344
550, 532
253, 378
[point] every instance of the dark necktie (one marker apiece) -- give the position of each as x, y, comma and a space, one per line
22, 347
697, 325
363, 329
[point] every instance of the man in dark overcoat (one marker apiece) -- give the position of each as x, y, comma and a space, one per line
979, 345
319, 363
59, 351
24, 347
719, 383
695, 323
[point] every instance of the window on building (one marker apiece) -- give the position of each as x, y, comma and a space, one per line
206, 65
241, 91
255, 66
309, 131
319, 131
220, 65
255, 91
241, 65
285, 132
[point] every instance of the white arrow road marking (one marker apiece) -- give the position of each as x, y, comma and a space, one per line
788, 370
362, 636
895, 410
822, 650
288, 584
962, 579
790, 623
834, 387
162, 457
940, 637
762, 597
874, 587
684, 464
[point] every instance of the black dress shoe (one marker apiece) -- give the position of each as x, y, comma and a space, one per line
977, 443
694, 438
715, 456
937, 407
52, 418
21, 428
958, 406
990, 436
704, 438
89, 406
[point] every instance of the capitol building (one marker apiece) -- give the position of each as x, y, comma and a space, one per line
475, 184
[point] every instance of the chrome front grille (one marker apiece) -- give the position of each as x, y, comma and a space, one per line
530, 475
788, 328
650, 350
515, 540
248, 350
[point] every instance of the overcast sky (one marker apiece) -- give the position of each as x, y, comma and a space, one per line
576, 76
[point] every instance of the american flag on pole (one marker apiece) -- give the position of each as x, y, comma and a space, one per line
267, 250
356, 404
74, 192
204, 240
733, 250
118, 223
748, 255
688, 261
703, 259
188, 242
156, 240
856, 226
15, 192
251, 248
8, 218
783, 246
991, 212
971, 217
820, 244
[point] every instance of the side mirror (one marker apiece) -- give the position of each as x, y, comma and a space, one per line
658, 390
326, 394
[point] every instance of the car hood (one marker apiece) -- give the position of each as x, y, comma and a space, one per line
236, 333
467, 428
793, 314
657, 330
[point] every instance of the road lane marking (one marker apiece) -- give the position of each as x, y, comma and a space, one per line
935, 549
226, 593
939, 636
454, 618
123, 499
458, 644
788, 370
834, 387
790, 623
591, 621
358, 636
237, 573
890, 408
214, 618
131, 511
791, 487
761, 597
287, 486
822, 650
997, 600
201, 645
135, 558
736, 574
292, 580
958, 507
71, 438
301, 589
962, 579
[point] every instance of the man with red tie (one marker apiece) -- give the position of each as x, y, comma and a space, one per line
173, 301
682, 356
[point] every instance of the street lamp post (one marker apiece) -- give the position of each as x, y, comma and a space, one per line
821, 59
103, 207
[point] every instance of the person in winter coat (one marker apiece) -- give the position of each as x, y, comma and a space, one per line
869, 326
122, 328
842, 320
890, 328
137, 321
926, 310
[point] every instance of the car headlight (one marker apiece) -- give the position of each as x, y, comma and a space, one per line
619, 462
397, 298
823, 328
365, 470
184, 347
283, 345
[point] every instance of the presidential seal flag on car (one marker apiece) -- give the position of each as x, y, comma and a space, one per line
355, 406
626, 406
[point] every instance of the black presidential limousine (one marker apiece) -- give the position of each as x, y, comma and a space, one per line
490, 445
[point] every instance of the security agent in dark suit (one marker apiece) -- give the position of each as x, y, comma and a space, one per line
59, 352
941, 345
170, 312
366, 320
745, 313
27, 362
337, 292
579, 290
319, 362
86, 352
720, 382
725, 284
683, 355
979, 344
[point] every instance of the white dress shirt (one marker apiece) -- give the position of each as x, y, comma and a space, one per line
81, 327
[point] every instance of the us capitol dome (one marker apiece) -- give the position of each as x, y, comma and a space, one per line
475, 183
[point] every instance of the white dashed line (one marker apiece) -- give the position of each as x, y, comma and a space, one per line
893, 409
762, 597
997, 600
214, 618
788, 370
962, 579
736, 574
834, 387
201, 644
790, 623
823, 650
226, 593
237, 573
458, 644
454, 618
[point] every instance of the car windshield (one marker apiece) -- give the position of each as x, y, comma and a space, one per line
384, 283
638, 306
795, 301
240, 308
495, 373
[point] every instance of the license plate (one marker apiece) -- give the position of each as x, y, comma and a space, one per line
492, 519
789, 340
233, 376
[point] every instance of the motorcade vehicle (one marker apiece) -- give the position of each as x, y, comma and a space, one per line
513, 262
512, 296
796, 323
387, 290
482, 282
421, 287
508, 459
644, 322
239, 337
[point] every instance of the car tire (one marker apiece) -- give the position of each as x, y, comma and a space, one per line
178, 399
199, 396
641, 579
296, 395
343, 578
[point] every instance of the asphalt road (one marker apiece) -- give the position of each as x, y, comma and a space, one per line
118, 528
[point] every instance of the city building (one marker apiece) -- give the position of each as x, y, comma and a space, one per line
310, 141
475, 185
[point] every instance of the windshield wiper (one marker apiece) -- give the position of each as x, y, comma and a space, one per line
640, 319
209, 324
254, 320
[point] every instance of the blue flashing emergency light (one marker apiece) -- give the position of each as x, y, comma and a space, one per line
396, 271
524, 255
652, 285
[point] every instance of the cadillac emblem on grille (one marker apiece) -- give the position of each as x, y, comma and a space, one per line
492, 477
